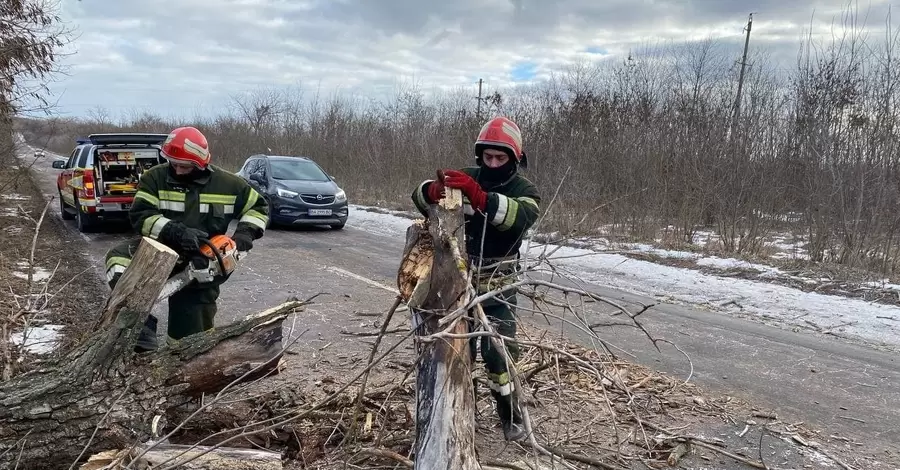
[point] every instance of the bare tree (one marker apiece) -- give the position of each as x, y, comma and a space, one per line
261, 108
31, 35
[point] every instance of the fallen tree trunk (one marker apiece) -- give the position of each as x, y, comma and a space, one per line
47, 417
185, 458
432, 280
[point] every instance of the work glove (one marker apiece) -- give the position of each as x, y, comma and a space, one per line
243, 239
434, 192
183, 239
190, 240
465, 183
190, 244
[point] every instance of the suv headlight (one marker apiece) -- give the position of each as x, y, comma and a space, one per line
285, 193
340, 196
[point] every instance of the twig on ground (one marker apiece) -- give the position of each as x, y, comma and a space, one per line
500, 464
365, 378
389, 454
289, 416
699, 442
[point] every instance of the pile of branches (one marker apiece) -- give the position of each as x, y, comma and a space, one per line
586, 409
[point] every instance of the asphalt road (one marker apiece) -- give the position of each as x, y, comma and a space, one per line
842, 389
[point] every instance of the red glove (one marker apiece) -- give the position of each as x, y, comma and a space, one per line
435, 192
469, 187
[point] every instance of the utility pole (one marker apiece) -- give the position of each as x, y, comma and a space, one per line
737, 100
478, 112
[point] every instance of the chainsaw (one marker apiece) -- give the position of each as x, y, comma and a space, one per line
223, 256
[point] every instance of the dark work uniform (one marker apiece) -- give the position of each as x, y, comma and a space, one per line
208, 203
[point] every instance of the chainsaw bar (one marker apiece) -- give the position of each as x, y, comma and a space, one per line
189, 275
173, 285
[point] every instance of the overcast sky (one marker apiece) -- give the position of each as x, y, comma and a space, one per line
186, 57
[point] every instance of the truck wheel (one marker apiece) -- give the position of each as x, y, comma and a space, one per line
66, 215
83, 220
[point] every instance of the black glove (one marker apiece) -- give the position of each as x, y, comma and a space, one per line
181, 238
243, 239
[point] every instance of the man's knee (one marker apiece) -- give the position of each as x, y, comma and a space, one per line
118, 258
192, 310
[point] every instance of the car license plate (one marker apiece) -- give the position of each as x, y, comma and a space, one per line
126, 207
320, 212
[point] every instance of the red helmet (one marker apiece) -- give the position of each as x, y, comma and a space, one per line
502, 134
187, 145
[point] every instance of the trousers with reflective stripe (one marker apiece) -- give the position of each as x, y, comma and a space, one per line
501, 313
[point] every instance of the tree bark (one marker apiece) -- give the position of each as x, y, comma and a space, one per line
47, 416
173, 454
433, 282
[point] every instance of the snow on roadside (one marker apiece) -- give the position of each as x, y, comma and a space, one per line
380, 222
38, 339
761, 300
38, 274
875, 322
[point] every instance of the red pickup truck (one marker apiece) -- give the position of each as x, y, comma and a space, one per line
100, 176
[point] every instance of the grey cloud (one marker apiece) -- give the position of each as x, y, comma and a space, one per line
219, 48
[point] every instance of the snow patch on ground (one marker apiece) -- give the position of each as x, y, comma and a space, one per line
14, 197
388, 225
38, 339
9, 212
38, 274
734, 263
764, 301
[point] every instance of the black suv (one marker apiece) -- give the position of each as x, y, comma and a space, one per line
298, 190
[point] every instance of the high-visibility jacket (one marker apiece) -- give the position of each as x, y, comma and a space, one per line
209, 203
513, 206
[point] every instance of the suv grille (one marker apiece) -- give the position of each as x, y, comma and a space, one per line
314, 199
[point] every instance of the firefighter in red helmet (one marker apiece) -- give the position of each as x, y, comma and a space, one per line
502, 205
178, 203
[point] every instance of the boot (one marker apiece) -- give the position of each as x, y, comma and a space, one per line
115, 279
147, 338
510, 416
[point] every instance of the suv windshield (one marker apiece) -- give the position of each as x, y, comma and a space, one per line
297, 170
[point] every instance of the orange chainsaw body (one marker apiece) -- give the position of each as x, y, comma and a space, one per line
216, 269
227, 248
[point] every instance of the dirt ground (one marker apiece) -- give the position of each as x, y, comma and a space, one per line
65, 290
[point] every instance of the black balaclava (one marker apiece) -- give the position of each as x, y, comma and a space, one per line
194, 175
495, 176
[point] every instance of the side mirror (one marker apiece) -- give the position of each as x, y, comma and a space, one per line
258, 178
59, 164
